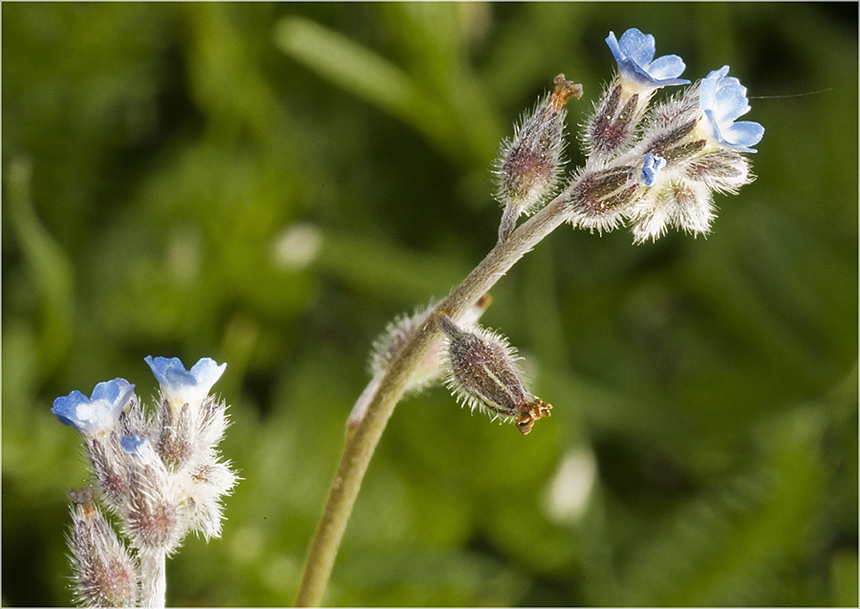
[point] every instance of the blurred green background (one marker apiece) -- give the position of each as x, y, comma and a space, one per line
270, 184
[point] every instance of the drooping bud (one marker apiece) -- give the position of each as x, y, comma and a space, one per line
398, 332
105, 575
388, 345
529, 165
482, 373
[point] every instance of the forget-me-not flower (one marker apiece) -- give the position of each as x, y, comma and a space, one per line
181, 386
634, 54
723, 99
98, 413
653, 165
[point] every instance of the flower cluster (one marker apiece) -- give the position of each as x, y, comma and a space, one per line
161, 475
667, 170
658, 168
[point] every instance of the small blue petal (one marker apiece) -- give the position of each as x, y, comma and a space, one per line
745, 133
183, 385
169, 372
99, 413
653, 165
65, 408
131, 443
634, 54
723, 100
137, 446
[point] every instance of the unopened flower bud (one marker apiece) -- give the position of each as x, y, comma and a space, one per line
104, 573
175, 434
613, 124
210, 482
529, 165
152, 516
482, 373
720, 170
109, 462
651, 167
388, 345
600, 198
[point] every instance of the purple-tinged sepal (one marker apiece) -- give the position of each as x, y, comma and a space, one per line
614, 126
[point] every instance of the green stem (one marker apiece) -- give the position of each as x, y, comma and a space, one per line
363, 437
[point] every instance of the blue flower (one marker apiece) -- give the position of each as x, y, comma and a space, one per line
181, 385
99, 413
634, 54
653, 165
723, 99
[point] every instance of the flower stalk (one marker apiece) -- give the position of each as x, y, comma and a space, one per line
652, 177
363, 437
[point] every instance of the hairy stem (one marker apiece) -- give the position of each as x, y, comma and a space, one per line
153, 575
363, 437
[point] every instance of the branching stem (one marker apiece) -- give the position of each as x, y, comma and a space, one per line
363, 437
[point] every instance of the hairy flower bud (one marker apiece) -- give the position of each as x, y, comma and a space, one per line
109, 463
152, 513
482, 373
600, 198
686, 205
529, 164
387, 347
613, 124
104, 573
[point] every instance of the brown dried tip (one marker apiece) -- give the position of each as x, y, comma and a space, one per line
531, 412
564, 89
484, 301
